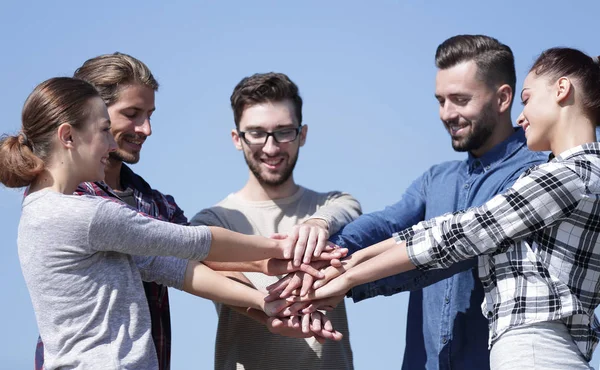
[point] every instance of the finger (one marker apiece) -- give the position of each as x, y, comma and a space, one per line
294, 322
330, 273
307, 283
300, 244
327, 324
294, 309
294, 283
279, 285
321, 242
311, 243
291, 243
312, 270
336, 262
306, 323
316, 321
336, 253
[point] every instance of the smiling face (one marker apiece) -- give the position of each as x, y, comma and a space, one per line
272, 164
94, 142
539, 116
467, 106
130, 117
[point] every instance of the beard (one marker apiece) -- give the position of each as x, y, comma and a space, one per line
123, 155
267, 178
481, 129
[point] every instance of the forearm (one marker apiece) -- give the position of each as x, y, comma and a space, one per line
206, 283
389, 262
339, 210
248, 266
229, 246
372, 251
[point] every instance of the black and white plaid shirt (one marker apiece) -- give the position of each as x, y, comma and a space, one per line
538, 246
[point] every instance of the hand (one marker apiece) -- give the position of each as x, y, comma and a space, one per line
325, 304
308, 239
332, 271
320, 325
274, 307
274, 267
294, 248
336, 287
285, 286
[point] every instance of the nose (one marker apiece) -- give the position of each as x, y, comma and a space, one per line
448, 111
521, 119
271, 147
145, 128
112, 144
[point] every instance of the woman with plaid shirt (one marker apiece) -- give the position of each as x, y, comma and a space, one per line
538, 243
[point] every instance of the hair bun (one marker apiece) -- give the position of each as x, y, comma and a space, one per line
23, 139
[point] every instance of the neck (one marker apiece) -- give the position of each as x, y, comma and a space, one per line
56, 179
502, 132
571, 132
256, 191
112, 174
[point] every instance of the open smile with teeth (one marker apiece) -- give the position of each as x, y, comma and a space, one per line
525, 126
133, 142
103, 160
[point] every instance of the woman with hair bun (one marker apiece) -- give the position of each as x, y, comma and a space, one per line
75, 251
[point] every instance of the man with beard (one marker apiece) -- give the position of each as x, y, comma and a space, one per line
269, 131
474, 86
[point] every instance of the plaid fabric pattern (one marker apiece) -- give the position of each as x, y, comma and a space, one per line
538, 246
163, 207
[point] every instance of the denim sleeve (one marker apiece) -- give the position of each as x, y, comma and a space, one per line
418, 279
374, 227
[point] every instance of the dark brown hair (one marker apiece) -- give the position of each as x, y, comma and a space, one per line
261, 88
495, 61
110, 72
53, 102
566, 62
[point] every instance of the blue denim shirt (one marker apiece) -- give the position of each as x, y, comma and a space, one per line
445, 326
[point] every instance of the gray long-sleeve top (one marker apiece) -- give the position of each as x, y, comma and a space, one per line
86, 290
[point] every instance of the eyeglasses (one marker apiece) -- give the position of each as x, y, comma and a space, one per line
259, 137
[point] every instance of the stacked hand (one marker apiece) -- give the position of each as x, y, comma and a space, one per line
293, 303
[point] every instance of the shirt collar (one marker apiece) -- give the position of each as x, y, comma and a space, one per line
498, 153
588, 148
130, 179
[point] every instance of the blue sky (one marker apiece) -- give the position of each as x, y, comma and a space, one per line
366, 74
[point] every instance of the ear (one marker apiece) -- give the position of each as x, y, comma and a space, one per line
235, 137
563, 89
504, 96
65, 135
303, 132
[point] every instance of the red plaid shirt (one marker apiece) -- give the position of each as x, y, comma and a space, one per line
163, 207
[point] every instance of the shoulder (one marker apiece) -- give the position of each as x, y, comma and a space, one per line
216, 215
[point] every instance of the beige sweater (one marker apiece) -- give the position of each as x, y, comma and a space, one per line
243, 343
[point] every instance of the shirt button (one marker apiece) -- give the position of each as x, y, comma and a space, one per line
466, 186
447, 300
444, 340
490, 314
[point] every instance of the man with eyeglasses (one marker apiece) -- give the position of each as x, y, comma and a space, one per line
268, 117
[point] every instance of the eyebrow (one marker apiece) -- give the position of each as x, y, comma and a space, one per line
258, 128
138, 109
